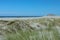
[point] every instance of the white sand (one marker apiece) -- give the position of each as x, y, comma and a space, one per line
29, 18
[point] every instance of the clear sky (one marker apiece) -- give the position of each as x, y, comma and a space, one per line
29, 7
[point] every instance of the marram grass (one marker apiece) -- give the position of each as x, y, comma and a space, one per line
34, 35
51, 32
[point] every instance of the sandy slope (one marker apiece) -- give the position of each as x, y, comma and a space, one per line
29, 18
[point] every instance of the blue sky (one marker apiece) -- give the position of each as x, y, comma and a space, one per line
29, 7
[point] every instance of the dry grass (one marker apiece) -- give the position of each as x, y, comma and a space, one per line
21, 30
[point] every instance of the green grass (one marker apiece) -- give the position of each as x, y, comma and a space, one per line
33, 35
44, 34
